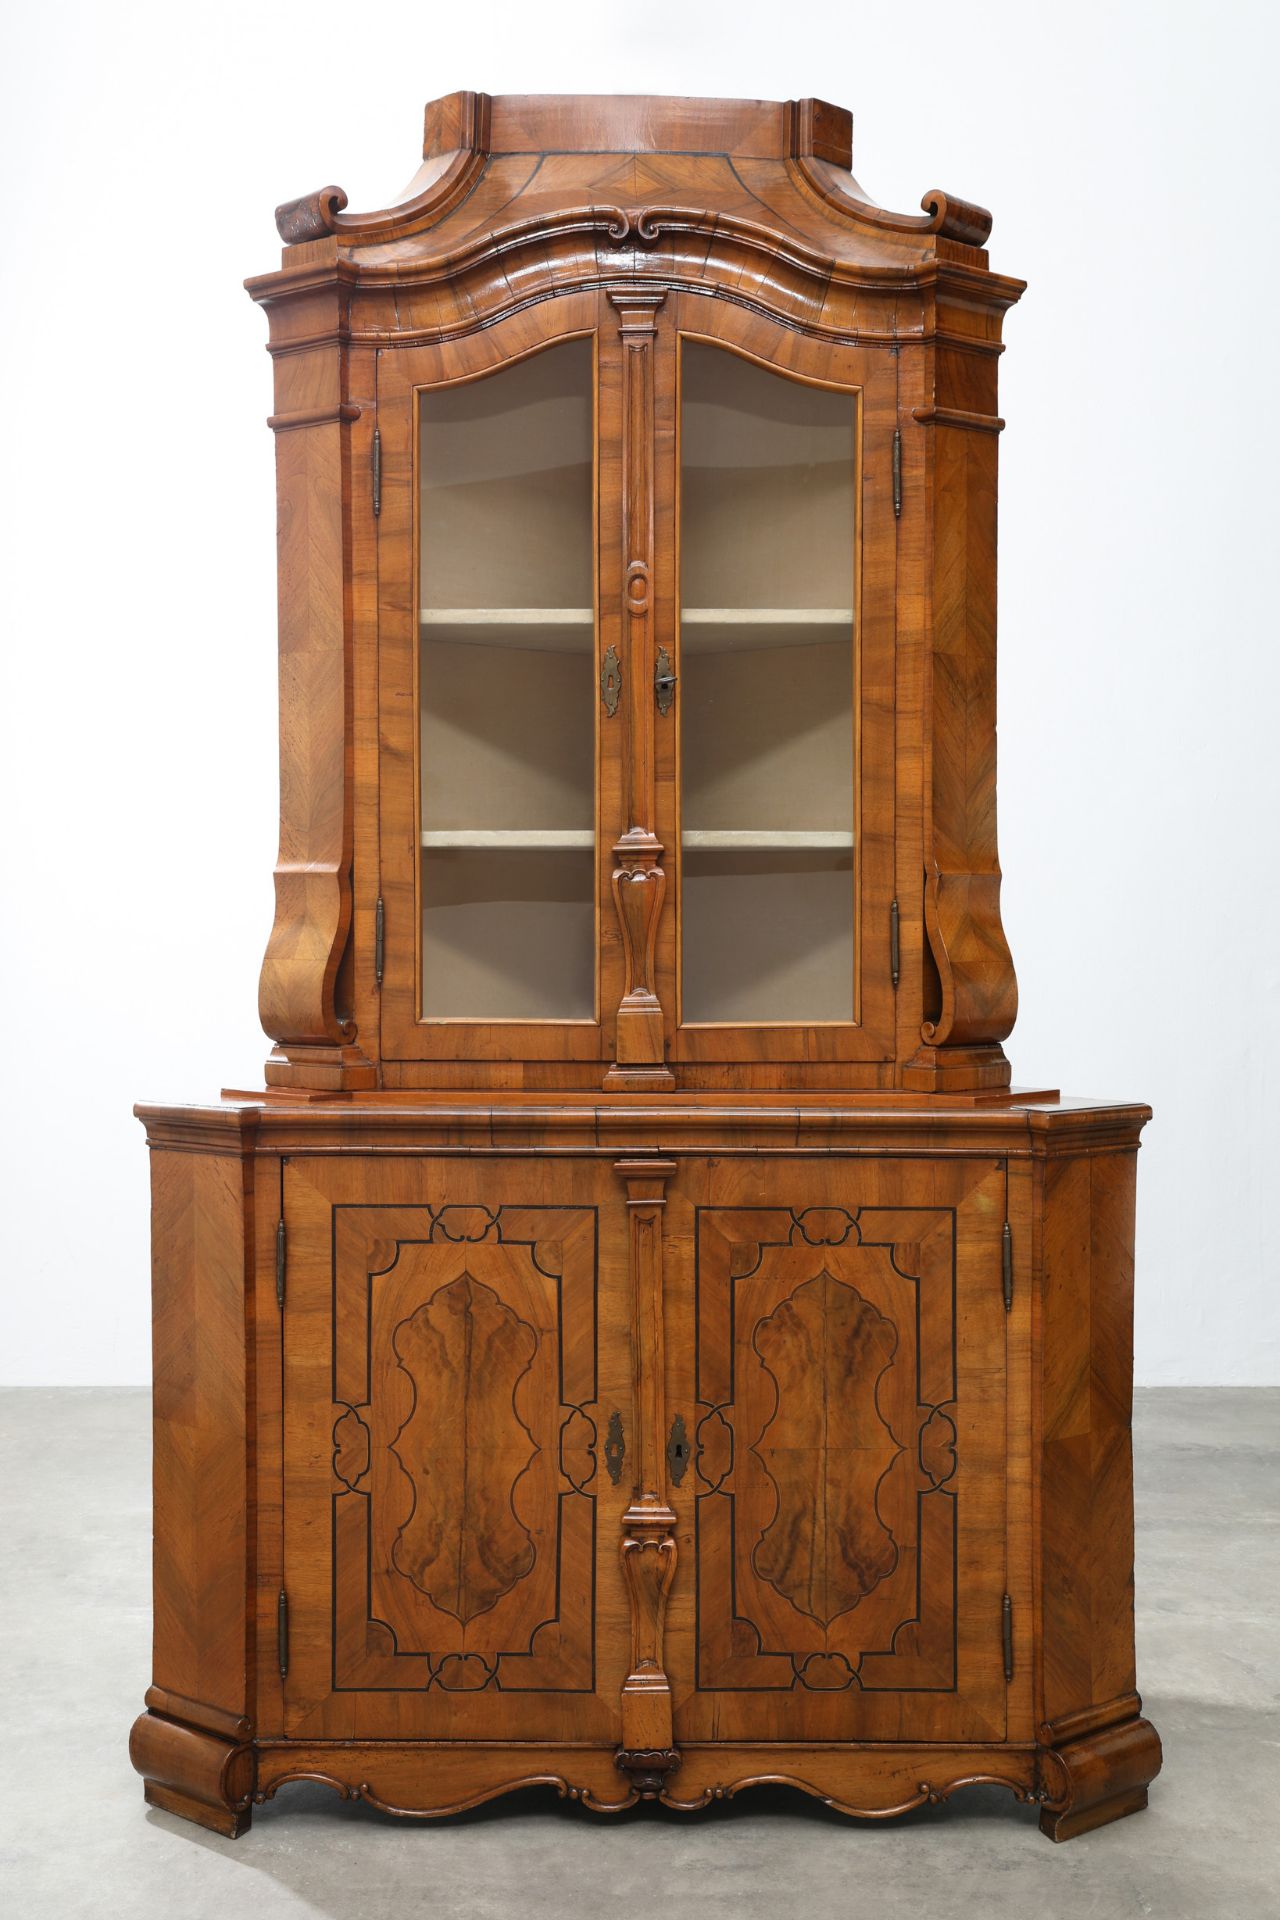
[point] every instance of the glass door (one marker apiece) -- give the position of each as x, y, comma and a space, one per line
506, 692
491, 748
773, 958
767, 532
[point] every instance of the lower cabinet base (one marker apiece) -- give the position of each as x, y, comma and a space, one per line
495, 1452
215, 1782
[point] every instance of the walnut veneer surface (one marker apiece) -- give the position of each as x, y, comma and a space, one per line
645, 1405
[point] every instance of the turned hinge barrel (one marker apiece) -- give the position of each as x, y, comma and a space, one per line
897, 474
895, 945
1006, 1266
375, 473
1006, 1635
379, 940
282, 1632
280, 1261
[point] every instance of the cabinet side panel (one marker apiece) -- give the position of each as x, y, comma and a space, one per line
312, 881
971, 997
1086, 1461
200, 1213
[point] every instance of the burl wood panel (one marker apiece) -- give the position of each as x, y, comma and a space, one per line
840, 1363
445, 1419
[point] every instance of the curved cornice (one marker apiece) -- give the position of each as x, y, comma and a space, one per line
641, 230
465, 286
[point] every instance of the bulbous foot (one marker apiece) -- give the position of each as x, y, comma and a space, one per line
197, 1775
1099, 1778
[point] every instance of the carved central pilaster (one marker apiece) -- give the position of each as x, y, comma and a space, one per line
639, 883
648, 1526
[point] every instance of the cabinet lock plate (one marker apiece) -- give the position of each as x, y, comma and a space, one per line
615, 1447
678, 1451
664, 682
611, 681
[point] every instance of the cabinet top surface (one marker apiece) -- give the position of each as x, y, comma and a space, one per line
1031, 1124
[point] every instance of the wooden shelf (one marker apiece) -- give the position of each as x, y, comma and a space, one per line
720, 629
536, 629
716, 840
767, 617
506, 616
508, 839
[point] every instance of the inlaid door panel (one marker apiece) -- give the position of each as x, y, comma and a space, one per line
836, 1351
448, 1570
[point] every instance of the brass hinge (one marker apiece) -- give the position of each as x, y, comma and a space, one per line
1006, 1266
895, 950
282, 1632
280, 1258
379, 939
897, 474
1006, 1635
375, 472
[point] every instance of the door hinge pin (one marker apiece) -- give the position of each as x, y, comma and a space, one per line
375, 472
280, 1258
1006, 1634
379, 939
282, 1632
895, 947
1006, 1266
897, 474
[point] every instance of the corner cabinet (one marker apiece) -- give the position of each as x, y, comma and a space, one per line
637, 1342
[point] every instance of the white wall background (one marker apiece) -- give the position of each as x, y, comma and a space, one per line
1128, 152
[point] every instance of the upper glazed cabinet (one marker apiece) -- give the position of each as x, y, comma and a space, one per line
650, 678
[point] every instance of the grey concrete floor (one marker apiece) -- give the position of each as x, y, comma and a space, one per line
74, 1644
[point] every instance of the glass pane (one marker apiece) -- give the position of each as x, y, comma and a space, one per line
507, 688
767, 542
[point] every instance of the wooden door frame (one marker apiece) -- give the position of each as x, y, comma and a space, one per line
459, 1202
410, 1042
978, 1703
871, 374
